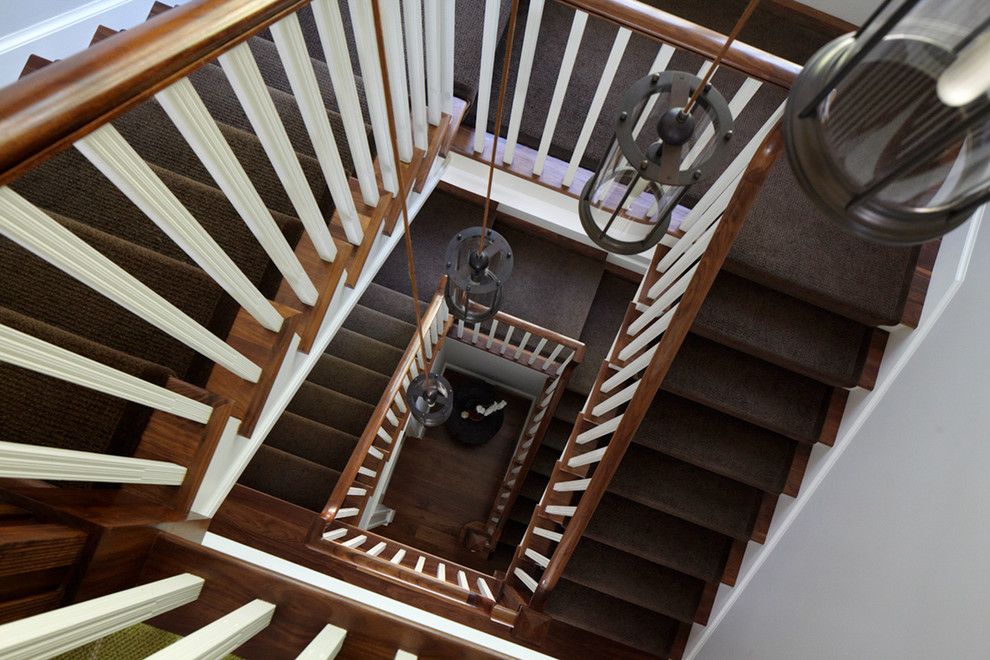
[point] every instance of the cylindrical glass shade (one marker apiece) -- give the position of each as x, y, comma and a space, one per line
430, 400
870, 138
659, 150
476, 272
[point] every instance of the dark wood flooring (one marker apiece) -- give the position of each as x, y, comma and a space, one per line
439, 485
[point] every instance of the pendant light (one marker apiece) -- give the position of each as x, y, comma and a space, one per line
888, 129
626, 206
479, 259
429, 395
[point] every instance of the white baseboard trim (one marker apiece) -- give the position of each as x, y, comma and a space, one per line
57, 23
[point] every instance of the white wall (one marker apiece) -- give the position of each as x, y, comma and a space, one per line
887, 557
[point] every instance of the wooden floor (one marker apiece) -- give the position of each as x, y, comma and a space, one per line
439, 485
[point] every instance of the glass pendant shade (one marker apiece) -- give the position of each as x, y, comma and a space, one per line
430, 400
475, 277
888, 129
659, 150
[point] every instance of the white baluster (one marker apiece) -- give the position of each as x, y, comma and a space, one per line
242, 71
557, 510
533, 19
530, 583
20, 461
553, 356
616, 400
335, 534
366, 472
630, 370
488, 38
565, 363
522, 345
572, 485
356, 492
660, 305
355, 542
536, 351
398, 556
462, 581
419, 564
448, 55
326, 645
392, 419
560, 89
222, 636
427, 344
598, 431
434, 47
485, 590
547, 534
299, 69
29, 352
377, 549
396, 63
539, 559
187, 111
491, 333
476, 331
33, 229
400, 403
644, 338
690, 256
375, 452
118, 161
349, 512
441, 572
412, 11
374, 89
66, 628
508, 337
660, 63
591, 119
460, 328
330, 27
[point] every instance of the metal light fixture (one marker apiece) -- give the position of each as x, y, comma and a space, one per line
888, 129
626, 205
431, 399
476, 270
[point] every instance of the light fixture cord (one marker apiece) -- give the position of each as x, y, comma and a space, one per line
376, 12
510, 33
725, 48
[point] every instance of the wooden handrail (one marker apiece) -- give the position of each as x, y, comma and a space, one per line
45, 112
378, 416
708, 268
541, 332
657, 24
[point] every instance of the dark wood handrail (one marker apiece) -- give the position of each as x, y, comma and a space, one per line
708, 267
541, 332
50, 109
657, 24
378, 416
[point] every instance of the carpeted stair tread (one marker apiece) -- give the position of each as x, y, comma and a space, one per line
634, 580
749, 388
512, 532
36, 409
290, 478
523, 510
545, 460
312, 440
378, 325
331, 408
717, 442
365, 351
611, 617
390, 302
783, 330
608, 310
33, 287
659, 537
701, 497
148, 129
569, 406
558, 432
533, 486
348, 378
68, 184
788, 244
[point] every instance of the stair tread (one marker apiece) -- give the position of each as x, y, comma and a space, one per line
610, 304
379, 325
635, 580
533, 486
544, 461
365, 351
289, 477
348, 378
309, 439
659, 537
612, 618
569, 406
512, 532
749, 388
701, 497
783, 330
791, 245
557, 435
389, 302
717, 442
331, 408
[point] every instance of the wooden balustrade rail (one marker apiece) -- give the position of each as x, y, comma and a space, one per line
652, 378
378, 417
656, 24
48, 111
